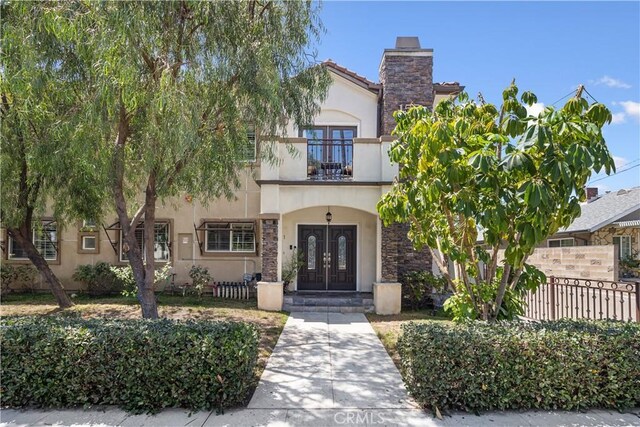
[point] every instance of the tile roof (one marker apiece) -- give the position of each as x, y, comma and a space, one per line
605, 210
352, 76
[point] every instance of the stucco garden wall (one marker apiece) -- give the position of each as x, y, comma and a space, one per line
582, 262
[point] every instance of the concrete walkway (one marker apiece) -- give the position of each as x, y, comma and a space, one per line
330, 366
327, 369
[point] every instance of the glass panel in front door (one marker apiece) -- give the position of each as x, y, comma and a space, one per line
311, 253
342, 253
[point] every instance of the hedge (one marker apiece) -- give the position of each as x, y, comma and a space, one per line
571, 365
140, 365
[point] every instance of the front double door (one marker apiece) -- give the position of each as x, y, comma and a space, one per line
329, 257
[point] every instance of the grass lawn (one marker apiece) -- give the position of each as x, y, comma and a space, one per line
389, 328
270, 324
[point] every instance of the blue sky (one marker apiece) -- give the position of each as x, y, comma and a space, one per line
549, 47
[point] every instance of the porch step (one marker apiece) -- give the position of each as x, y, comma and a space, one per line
339, 302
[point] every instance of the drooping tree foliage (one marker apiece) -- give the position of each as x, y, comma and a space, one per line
175, 88
476, 179
48, 162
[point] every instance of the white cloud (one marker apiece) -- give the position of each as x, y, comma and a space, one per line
617, 118
619, 161
535, 109
631, 109
611, 82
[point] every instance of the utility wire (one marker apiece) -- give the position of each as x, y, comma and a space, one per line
566, 96
599, 174
627, 164
609, 176
590, 96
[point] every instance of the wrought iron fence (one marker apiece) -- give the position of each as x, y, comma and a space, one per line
329, 159
564, 297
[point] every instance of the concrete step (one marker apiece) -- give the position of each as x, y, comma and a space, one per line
328, 301
339, 302
329, 308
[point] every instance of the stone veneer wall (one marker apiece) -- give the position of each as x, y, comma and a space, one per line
269, 250
398, 255
580, 262
604, 236
405, 80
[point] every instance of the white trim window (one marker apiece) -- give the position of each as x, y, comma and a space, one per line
161, 242
45, 240
561, 243
230, 237
624, 246
89, 243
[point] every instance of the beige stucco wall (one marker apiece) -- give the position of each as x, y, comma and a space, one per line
281, 199
182, 215
387, 298
366, 234
347, 104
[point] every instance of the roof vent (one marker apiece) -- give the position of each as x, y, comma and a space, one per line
622, 192
407, 43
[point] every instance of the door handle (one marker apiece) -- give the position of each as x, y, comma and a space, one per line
326, 258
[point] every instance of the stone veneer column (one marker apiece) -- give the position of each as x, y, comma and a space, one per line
389, 251
269, 250
398, 256
406, 74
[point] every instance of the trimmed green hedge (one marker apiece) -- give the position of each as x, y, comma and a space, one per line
549, 365
140, 365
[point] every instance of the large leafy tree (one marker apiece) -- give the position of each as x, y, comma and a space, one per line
47, 165
473, 172
175, 88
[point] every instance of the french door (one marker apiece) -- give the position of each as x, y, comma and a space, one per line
329, 257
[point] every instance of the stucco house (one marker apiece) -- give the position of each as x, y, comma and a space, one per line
593, 246
341, 171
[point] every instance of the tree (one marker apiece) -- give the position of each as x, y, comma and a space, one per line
46, 163
472, 172
177, 86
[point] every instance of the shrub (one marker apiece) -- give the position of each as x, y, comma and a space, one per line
512, 365
140, 365
98, 278
13, 276
200, 276
417, 287
129, 287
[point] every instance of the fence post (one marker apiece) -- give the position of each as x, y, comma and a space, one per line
638, 301
552, 290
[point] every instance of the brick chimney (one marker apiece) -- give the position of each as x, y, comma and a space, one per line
406, 74
592, 193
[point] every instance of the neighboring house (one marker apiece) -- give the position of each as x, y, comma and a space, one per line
341, 171
600, 242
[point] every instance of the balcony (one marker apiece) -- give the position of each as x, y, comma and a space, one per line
329, 159
357, 161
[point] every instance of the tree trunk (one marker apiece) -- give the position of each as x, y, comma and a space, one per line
146, 294
42, 266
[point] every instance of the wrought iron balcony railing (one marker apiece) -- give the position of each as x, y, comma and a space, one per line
329, 159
